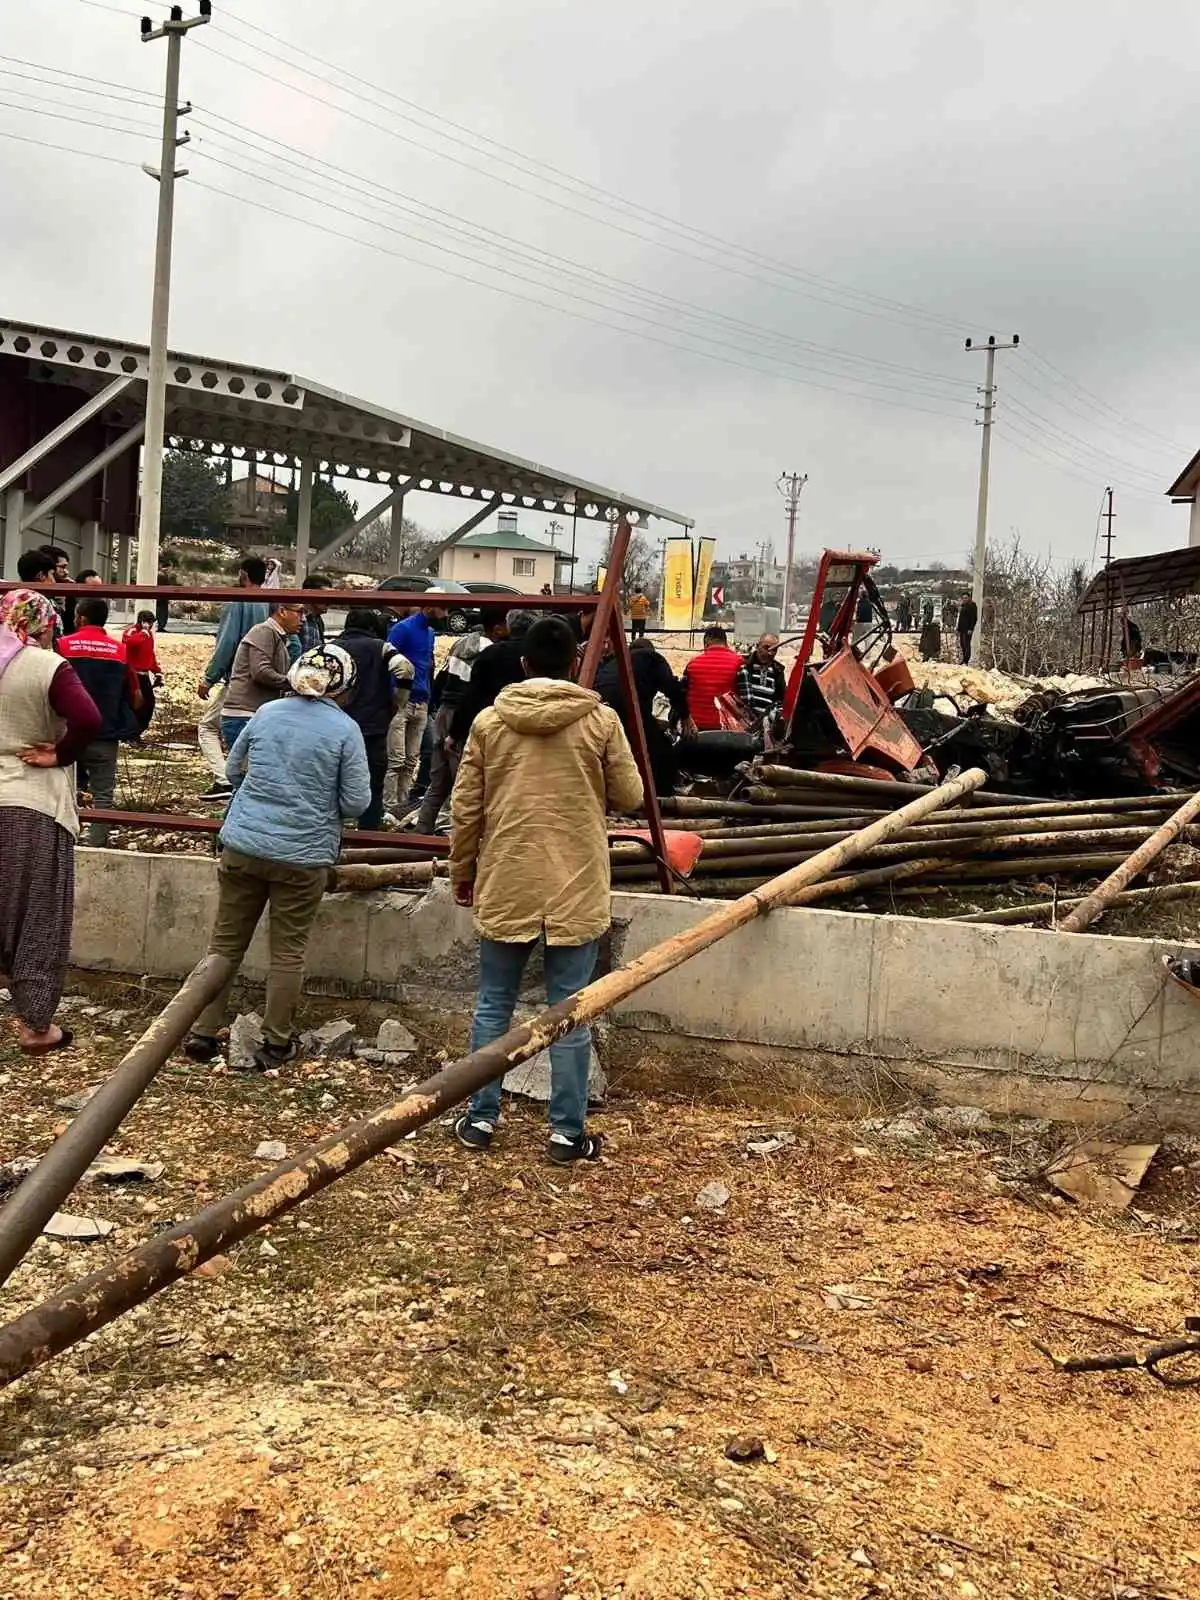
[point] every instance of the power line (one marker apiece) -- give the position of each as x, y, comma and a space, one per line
509, 183
592, 277
1064, 436
546, 172
444, 271
139, 130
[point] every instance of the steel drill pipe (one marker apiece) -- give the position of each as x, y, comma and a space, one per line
808, 834
686, 805
745, 855
1008, 915
874, 877
381, 875
43, 1190
1175, 827
951, 871
759, 795
95, 1301
849, 783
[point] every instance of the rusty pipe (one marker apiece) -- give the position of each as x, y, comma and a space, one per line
95, 1301
1030, 912
1175, 827
43, 1190
850, 783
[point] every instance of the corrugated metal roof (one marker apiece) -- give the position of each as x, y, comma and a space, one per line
222, 408
1141, 580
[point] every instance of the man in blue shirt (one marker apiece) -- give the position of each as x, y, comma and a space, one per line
413, 637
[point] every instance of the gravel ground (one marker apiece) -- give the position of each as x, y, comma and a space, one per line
491, 1379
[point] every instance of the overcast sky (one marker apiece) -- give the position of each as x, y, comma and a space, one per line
723, 188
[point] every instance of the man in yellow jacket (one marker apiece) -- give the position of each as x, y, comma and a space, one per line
541, 770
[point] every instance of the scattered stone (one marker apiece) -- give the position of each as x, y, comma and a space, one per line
905, 1129
860, 1558
12, 1172
62, 1225
245, 1037
365, 1053
267, 1250
327, 1102
557, 1258
731, 1503
713, 1197
531, 1079
116, 1169
5, 996
959, 1119
394, 1038
76, 1102
114, 1019
768, 1147
616, 1380
331, 1039
271, 1150
919, 1363
846, 1297
214, 1267
744, 1448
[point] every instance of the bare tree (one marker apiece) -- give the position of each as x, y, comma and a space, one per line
373, 545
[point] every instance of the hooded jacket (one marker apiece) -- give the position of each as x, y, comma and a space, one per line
541, 770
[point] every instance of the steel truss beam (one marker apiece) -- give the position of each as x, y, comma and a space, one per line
69, 425
86, 473
183, 372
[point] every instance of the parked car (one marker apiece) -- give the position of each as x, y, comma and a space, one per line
460, 616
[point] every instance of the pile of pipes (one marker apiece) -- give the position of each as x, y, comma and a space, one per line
785, 815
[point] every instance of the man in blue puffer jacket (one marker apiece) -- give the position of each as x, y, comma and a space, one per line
299, 767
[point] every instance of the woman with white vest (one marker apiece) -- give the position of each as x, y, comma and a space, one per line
47, 718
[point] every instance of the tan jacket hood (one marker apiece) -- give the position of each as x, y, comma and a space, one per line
542, 706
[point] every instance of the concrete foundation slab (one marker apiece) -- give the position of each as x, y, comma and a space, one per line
983, 1015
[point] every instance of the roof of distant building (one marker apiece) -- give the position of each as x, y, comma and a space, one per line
500, 540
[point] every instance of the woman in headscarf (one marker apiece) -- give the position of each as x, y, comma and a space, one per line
46, 718
298, 768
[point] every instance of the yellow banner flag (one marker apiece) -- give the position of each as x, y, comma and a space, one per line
706, 549
677, 584
601, 575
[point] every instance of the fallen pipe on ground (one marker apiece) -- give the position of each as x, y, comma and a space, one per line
851, 783
95, 1301
1100, 898
43, 1190
1010, 915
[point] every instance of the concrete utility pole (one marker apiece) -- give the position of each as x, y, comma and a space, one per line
172, 31
789, 486
989, 406
1108, 536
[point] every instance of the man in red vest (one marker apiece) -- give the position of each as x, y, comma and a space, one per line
708, 676
103, 668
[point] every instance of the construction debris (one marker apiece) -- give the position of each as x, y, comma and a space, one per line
63, 1225
1101, 1174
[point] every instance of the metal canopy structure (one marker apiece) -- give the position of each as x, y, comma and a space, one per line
228, 410
1143, 580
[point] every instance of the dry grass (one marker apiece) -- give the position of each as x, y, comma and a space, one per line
489, 1378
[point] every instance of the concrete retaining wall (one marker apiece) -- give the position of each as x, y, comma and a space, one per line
984, 1014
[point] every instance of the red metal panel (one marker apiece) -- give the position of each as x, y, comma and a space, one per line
863, 712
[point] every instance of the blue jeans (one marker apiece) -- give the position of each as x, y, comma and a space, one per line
230, 728
568, 968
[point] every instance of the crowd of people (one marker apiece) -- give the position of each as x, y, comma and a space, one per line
304, 735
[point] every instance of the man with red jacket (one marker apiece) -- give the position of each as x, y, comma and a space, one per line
708, 676
142, 659
102, 667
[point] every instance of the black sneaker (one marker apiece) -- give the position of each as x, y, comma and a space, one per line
218, 791
268, 1055
201, 1047
474, 1135
565, 1152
